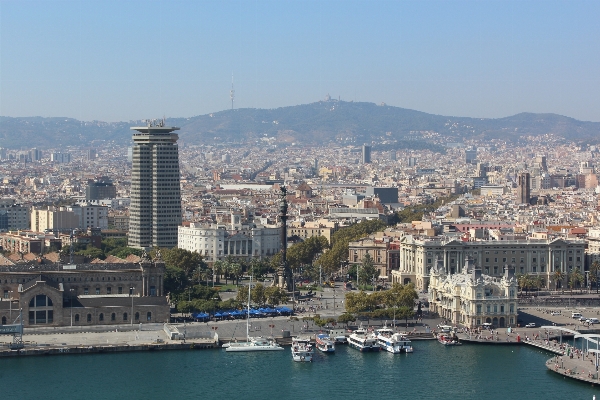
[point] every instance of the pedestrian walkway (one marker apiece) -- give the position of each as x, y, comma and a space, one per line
578, 365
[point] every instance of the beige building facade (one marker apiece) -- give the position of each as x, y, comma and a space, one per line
537, 257
471, 299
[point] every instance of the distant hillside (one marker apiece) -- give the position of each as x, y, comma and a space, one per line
320, 122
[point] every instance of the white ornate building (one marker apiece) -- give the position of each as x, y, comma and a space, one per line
471, 298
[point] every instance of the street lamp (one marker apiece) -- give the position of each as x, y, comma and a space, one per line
71, 304
131, 289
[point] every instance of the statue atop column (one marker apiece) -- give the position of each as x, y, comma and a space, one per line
284, 273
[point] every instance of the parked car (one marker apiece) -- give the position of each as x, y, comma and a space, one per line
582, 319
592, 321
555, 313
530, 325
576, 315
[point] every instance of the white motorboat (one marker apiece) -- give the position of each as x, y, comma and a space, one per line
448, 340
363, 341
325, 343
252, 343
393, 342
302, 350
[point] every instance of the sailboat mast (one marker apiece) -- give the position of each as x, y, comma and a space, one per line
248, 315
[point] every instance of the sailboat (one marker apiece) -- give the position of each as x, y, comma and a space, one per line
252, 343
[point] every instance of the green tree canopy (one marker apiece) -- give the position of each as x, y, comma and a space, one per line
338, 252
306, 251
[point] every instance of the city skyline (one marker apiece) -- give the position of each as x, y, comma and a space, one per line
113, 61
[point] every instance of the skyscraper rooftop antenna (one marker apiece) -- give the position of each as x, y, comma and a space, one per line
232, 92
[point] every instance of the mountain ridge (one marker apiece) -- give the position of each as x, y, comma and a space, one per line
313, 123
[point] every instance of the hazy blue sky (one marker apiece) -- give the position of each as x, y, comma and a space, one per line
124, 60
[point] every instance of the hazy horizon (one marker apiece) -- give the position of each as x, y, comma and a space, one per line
167, 117
119, 61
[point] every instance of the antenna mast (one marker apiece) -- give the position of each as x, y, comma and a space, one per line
232, 92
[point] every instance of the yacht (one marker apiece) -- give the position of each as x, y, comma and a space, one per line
302, 350
252, 343
325, 343
363, 341
392, 342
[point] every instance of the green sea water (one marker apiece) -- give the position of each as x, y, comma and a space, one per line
431, 372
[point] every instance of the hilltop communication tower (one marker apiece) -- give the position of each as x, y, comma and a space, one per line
232, 92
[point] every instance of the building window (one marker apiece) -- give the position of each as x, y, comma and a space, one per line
113, 317
76, 317
108, 290
137, 316
41, 310
149, 316
124, 316
120, 290
97, 290
89, 318
101, 317
86, 291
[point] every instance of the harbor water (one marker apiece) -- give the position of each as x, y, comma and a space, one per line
431, 372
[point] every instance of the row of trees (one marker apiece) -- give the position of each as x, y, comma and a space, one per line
397, 302
574, 279
261, 295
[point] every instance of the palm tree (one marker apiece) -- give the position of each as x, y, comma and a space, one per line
525, 282
577, 277
593, 276
558, 277
218, 268
236, 271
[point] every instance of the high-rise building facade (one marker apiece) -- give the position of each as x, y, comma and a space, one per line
100, 189
524, 188
155, 211
366, 154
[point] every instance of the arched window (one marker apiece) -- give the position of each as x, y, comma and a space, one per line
101, 317
76, 317
3, 320
89, 318
137, 316
149, 316
41, 310
124, 316
113, 317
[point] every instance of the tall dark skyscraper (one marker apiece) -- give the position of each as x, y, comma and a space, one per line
524, 188
155, 211
366, 154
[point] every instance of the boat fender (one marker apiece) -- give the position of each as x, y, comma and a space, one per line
302, 358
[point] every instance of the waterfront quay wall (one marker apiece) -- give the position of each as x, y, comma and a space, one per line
64, 350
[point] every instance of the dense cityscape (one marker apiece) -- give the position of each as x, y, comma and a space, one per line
329, 199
